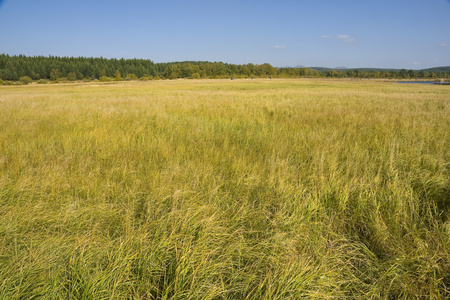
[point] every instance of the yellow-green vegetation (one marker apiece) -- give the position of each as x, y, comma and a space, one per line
219, 189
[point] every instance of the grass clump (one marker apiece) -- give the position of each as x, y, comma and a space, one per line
42, 81
211, 189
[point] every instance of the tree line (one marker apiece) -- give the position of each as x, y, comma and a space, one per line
54, 68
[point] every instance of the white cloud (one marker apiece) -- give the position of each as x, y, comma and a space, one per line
416, 63
442, 45
278, 47
343, 37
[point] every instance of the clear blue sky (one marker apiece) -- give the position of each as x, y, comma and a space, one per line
411, 34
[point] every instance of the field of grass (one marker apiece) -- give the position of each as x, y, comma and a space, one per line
219, 189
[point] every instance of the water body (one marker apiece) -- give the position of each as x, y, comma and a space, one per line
419, 82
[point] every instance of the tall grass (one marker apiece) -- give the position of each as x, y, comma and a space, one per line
263, 189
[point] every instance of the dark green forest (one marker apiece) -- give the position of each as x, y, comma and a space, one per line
54, 68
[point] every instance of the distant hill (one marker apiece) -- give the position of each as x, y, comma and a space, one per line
321, 68
436, 69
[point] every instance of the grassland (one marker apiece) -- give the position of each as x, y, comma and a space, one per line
217, 189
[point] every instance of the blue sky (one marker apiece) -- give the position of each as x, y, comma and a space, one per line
411, 34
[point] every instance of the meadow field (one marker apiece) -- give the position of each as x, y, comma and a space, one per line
220, 189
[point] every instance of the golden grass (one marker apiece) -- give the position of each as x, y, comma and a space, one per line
211, 189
